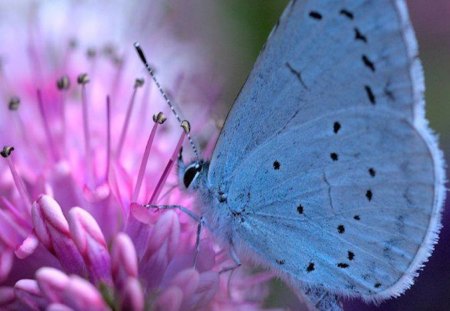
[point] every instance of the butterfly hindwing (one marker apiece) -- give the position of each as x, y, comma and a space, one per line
346, 209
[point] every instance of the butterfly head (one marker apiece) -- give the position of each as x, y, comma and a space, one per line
189, 175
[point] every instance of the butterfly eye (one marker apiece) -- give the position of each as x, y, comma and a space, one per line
191, 173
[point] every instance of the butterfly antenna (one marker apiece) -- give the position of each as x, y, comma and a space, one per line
163, 93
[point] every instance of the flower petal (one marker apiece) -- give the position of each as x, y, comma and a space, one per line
207, 288
162, 243
187, 281
169, 300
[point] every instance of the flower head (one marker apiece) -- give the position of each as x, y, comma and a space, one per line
81, 146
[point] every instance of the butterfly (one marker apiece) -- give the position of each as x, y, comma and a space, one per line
325, 169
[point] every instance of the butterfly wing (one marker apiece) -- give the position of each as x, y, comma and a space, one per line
327, 154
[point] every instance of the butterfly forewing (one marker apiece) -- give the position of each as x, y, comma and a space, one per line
312, 66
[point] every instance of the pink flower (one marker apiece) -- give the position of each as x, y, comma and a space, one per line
75, 160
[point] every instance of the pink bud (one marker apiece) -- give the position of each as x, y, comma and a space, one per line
52, 230
6, 296
124, 260
132, 296
89, 239
27, 247
58, 307
52, 283
81, 295
27, 291
6, 262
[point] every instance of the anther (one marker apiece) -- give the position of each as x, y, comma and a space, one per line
63, 83
108, 49
186, 126
6, 151
91, 53
138, 83
159, 118
117, 60
14, 103
83, 79
73, 43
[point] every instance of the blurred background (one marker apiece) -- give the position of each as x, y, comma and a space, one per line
245, 26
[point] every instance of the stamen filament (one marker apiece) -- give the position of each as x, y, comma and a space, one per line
48, 134
144, 162
126, 123
18, 180
63, 85
108, 137
167, 169
86, 131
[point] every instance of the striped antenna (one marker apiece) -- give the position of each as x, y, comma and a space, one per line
152, 74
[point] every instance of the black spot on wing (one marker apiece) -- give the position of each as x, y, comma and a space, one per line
359, 36
341, 229
336, 127
276, 165
368, 63
369, 195
370, 94
334, 156
343, 265
350, 255
315, 15
310, 267
347, 13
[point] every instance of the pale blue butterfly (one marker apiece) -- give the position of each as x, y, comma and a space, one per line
326, 170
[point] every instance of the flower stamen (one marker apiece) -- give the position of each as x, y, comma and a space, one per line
63, 85
108, 137
20, 185
138, 84
82, 80
186, 128
159, 119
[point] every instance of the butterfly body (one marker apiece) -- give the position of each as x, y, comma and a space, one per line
325, 169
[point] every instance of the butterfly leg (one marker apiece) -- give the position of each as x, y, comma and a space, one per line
178, 207
201, 223
234, 256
